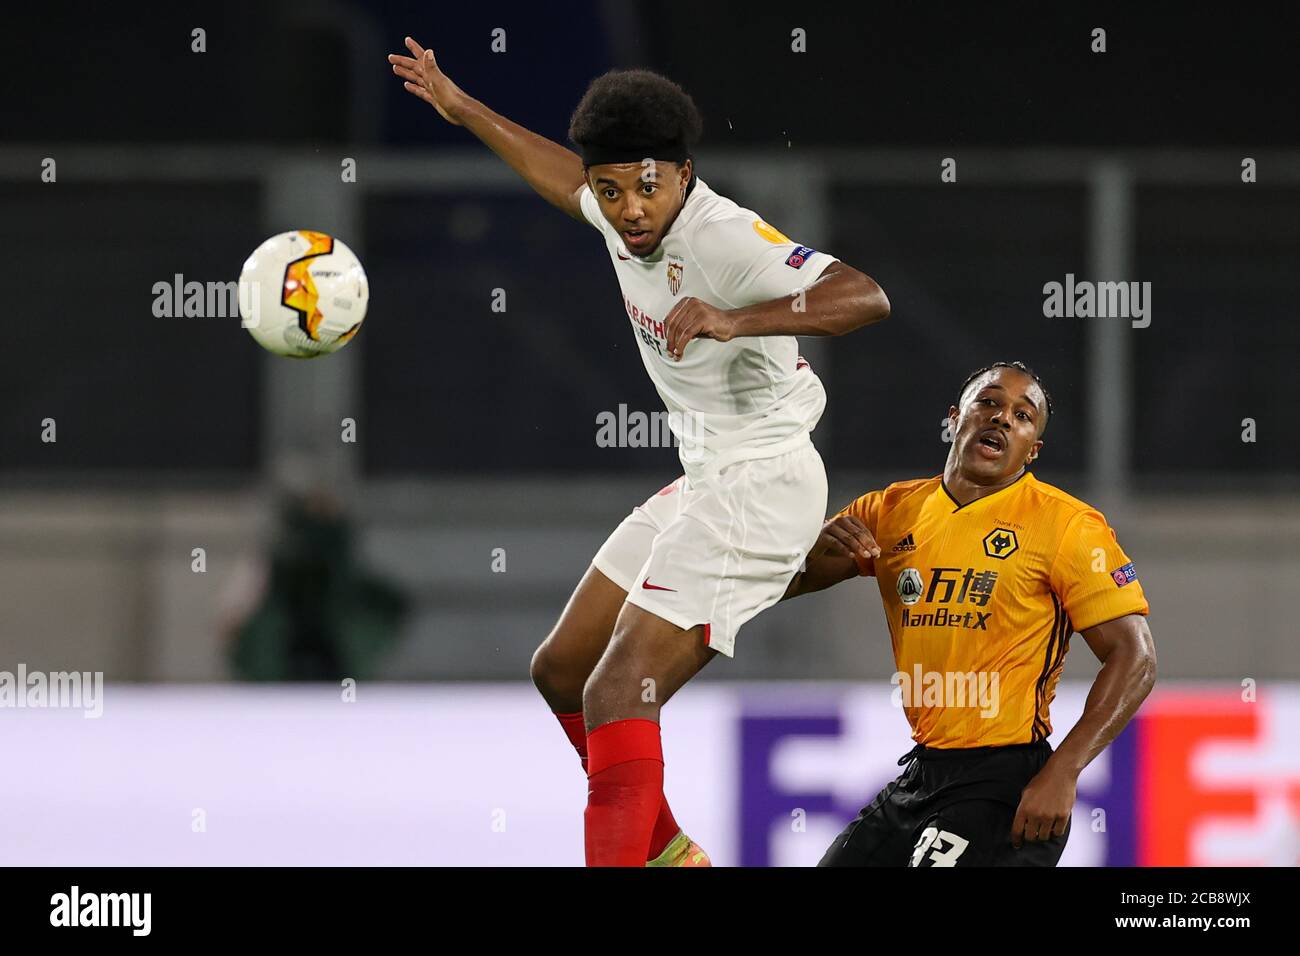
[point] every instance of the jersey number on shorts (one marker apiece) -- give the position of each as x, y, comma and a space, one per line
933, 841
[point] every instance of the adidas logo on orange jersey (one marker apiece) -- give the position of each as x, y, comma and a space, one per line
907, 544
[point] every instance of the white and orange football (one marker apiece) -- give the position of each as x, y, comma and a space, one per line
303, 294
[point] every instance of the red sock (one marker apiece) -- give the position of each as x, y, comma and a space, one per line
624, 791
664, 830
665, 826
576, 730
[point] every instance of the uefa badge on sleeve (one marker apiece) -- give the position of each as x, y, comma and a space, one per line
1124, 575
796, 259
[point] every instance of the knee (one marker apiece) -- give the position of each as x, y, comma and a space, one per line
543, 668
553, 674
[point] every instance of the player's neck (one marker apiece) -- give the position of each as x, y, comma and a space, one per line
964, 490
690, 188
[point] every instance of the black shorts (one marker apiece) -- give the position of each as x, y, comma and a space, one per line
949, 808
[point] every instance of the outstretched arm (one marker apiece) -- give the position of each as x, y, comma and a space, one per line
554, 172
843, 550
1128, 672
841, 300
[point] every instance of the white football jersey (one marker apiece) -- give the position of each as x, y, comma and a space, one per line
747, 398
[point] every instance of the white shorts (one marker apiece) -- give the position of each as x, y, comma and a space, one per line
719, 552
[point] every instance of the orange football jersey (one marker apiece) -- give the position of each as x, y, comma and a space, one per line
982, 600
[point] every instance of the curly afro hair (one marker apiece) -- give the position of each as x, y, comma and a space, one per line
630, 109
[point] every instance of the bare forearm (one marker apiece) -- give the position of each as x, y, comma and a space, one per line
805, 583
1124, 681
840, 301
801, 583
820, 573
554, 172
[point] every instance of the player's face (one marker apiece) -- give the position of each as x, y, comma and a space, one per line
997, 427
640, 200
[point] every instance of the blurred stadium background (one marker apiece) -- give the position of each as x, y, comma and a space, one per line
475, 429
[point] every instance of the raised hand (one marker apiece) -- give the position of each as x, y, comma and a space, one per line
425, 80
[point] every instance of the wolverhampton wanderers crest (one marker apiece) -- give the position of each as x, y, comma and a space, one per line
1001, 543
674, 277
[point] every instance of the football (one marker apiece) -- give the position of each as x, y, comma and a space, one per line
303, 294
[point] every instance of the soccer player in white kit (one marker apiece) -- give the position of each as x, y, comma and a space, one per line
715, 297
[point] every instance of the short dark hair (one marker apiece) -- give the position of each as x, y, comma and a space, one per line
1019, 367
626, 109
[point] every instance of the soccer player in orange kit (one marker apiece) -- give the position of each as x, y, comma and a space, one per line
985, 572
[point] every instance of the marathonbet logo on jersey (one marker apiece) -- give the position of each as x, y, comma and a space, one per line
653, 332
